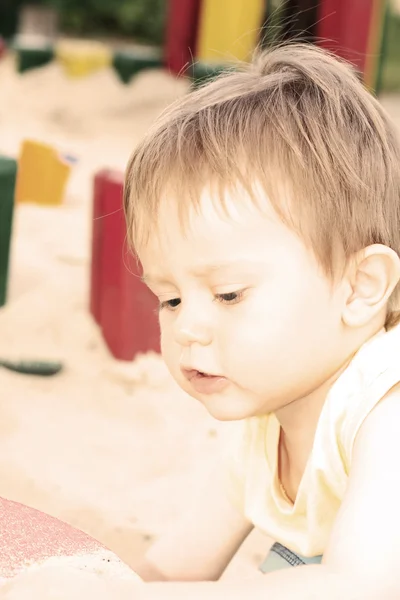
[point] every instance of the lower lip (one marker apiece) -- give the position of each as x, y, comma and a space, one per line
207, 384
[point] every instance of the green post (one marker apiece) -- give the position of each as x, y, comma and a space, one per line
8, 173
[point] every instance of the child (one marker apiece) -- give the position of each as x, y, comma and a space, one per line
265, 211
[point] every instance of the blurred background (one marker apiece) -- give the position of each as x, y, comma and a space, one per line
92, 428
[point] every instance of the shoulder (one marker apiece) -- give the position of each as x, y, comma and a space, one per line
371, 379
381, 427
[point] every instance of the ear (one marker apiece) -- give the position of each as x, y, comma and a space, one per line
373, 274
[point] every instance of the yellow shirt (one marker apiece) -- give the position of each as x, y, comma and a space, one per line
253, 481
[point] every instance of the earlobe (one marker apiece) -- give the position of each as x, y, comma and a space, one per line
373, 275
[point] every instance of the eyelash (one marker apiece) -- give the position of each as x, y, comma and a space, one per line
222, 298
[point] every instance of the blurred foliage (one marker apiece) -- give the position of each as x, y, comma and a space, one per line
391, 64
9, 17
143, 20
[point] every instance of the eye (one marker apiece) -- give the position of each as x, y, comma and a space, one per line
170, 304
230, 297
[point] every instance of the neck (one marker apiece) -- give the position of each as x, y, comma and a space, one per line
299, 419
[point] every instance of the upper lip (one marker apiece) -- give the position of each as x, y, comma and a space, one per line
190, 372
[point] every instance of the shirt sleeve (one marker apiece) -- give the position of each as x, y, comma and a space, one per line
372, 395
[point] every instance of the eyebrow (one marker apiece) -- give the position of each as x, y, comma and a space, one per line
200, 271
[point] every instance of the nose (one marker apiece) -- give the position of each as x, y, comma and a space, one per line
192, 327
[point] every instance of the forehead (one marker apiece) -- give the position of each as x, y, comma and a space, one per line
210, 220
214, 233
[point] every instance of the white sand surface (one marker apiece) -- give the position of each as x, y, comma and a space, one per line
115, 449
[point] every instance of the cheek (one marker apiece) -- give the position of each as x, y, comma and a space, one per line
170, 350
171, 354
167, 346
277, 322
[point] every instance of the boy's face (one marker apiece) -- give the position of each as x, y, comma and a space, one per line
242, 299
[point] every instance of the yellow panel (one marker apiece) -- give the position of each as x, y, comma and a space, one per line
229, 30
42, 174
83, 58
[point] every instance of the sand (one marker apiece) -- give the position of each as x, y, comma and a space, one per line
114, 449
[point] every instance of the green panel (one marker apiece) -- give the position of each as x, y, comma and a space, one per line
31, 58
8, 172
128, 64
202, 72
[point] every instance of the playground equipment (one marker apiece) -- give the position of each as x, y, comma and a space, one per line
201, 72
8, 173
37, 32
355, 31
83, 58
129, 63
228, 35
31, 55
42, 174
29, 538
39, 175
208, 37
119, 301
181, 34
204, 36
32, 367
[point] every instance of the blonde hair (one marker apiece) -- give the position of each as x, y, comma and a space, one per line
298, 122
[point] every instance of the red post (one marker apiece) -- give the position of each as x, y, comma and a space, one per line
182, 24
344, 27
97, 225
120, 302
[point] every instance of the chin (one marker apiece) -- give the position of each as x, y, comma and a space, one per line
225, 409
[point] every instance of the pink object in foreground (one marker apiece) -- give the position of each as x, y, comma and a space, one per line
29, 537
119, 301
3, 47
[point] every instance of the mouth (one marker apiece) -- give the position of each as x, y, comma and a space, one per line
195, 373
205, 383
